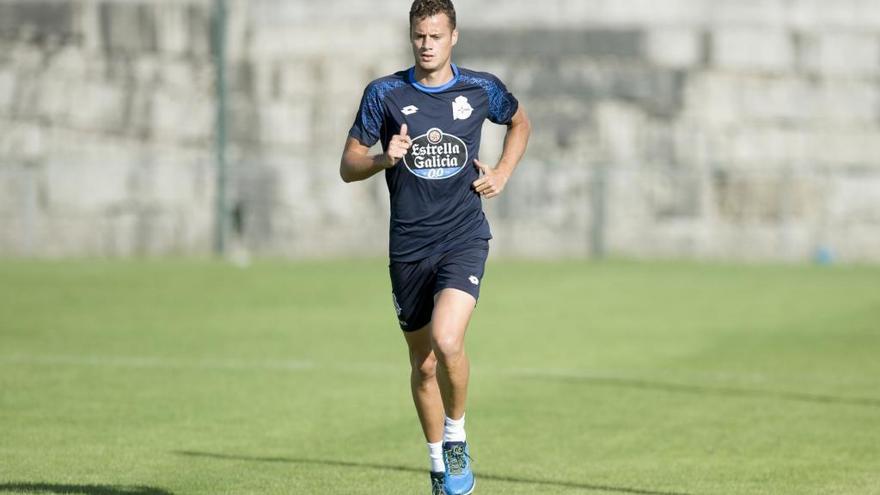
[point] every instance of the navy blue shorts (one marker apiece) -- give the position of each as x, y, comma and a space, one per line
414, 284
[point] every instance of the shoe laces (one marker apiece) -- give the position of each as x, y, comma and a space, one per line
437, 486
456, 459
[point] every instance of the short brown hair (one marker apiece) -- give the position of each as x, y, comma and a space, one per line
426, 8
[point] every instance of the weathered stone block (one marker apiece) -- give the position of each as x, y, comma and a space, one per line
41, 19
178, 75
54, 102
691, 143
277, 42
853, 200
128, 27
868, 12
841, 147
27, 58
176, 181
674, 192
556, 43
22, 142
764, 196
198, 26
752, 49
336, 79
181, 117
713, 98
95, 105
10, 187
855, 243
286, 123
295, 78
104, 176
619, 13
7, 90
842, 14
621, 129
757, 13
842, 54
760, 146
675, 48
783, 99
845, 102
172, 28
68, 63
721, 98
583, 83
285, 12
628, 213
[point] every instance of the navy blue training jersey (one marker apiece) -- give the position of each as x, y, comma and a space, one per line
433, 206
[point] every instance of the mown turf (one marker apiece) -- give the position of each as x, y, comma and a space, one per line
188, 377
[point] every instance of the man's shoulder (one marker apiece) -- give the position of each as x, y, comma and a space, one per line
483, 79
378, 88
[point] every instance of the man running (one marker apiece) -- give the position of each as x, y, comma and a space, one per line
428, 119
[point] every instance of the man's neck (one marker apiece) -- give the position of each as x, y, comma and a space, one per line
436, 78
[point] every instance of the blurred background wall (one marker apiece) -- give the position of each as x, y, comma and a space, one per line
722, 129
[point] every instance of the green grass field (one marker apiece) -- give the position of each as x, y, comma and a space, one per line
188, 377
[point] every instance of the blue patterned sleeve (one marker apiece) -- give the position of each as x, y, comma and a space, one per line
502, 104
370, 117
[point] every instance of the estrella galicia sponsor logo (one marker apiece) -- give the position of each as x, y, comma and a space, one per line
436, 155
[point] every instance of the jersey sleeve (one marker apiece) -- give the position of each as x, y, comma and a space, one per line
370, 117
502, 104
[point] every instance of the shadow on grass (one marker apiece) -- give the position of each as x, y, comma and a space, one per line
60, 488
407, 469
709, 390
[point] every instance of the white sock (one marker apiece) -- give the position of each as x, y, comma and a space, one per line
453, 431
435, 452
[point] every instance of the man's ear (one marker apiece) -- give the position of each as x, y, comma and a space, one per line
454, 36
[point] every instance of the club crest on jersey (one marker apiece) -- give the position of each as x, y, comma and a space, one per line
461, 109
436, 155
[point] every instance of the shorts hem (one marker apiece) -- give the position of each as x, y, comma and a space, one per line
408, 329
473, 291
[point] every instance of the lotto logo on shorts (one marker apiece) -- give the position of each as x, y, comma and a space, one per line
474, 280
435, 155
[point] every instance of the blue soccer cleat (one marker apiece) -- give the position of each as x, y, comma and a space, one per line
458, 479
437, 483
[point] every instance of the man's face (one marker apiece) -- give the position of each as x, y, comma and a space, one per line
432, 41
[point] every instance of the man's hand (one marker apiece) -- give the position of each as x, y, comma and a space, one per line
397, 147
491, 183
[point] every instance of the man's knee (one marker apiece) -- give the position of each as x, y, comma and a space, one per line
448, 347
424, 364
452, 312
421, 354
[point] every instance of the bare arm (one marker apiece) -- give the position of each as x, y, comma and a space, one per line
515, 142
357, 164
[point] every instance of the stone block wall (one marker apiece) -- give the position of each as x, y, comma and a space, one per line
106, 113
724, 129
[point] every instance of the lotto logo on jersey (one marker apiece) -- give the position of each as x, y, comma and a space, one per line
435, 155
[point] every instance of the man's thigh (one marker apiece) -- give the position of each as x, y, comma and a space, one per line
463, 269
459, 276
412, 285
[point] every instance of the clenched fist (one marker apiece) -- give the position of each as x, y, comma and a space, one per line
397, 147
